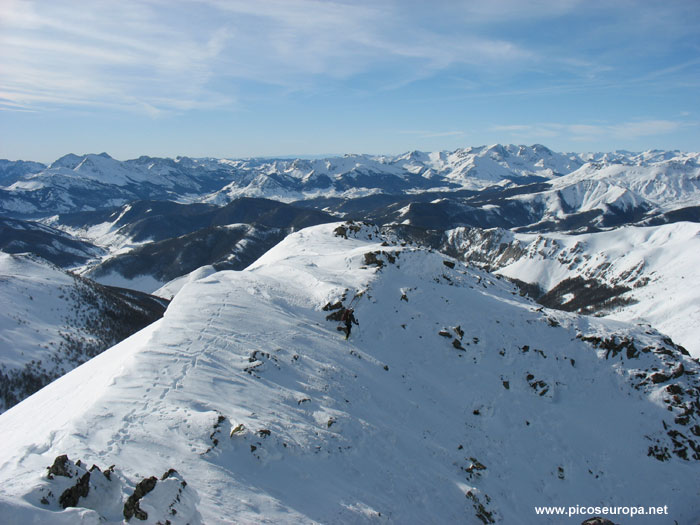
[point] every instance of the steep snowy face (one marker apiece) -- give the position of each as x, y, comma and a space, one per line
668, 183
52, 321
636, 274
453, 400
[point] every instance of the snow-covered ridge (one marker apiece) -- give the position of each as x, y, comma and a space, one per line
648, 271
454, 400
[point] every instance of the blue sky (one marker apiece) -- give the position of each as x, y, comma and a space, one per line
239, 78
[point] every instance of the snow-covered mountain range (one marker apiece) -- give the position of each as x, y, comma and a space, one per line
570, 184
88, 182
527, 337
454, 400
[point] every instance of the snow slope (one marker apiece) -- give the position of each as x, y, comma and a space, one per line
454, 400
667, 183
653, 268
52, 321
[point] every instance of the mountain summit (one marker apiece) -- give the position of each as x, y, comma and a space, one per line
454, 400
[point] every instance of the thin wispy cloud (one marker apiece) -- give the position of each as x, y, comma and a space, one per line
592, 132
646, 128
190, 49
140, 49
58, 54
341, 75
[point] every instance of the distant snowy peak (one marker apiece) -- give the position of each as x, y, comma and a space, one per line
69, 161
89, 182
503, 162
600, 195
636, 274
105, 169
644, 158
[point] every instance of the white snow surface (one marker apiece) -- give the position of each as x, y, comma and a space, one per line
395, 425
170, 289
35, 295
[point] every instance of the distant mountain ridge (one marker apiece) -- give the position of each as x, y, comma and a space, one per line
80, 183
56, 246
153, 242
89, 182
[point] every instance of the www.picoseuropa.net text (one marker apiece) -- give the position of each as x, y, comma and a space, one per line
588, 510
